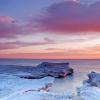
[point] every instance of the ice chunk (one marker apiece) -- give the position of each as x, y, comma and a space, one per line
89, 93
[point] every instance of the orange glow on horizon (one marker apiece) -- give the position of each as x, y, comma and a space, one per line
31, 56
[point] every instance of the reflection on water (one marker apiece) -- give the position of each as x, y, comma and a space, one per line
81, 69
69, 83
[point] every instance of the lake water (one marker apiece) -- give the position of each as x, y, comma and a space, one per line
68, 84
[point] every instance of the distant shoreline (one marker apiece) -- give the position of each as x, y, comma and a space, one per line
44, 59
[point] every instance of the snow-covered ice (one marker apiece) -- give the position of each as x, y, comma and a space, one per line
13, 87
89, 93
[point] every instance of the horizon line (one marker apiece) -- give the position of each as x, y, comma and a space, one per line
54, 59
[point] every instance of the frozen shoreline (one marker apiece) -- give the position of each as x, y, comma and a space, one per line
12, 87
15, 88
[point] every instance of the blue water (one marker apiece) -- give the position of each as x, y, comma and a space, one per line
69, 84
31, 62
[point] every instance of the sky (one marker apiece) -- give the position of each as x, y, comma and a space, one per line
50, 29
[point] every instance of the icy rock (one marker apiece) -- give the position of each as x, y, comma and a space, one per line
88, 93
94, 79
57, 70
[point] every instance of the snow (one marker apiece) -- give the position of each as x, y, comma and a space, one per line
89, 93
13, 87
38, 96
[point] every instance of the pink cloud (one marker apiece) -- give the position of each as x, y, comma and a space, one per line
6, 19
70, 17
18, 44
54, 55
8, 27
